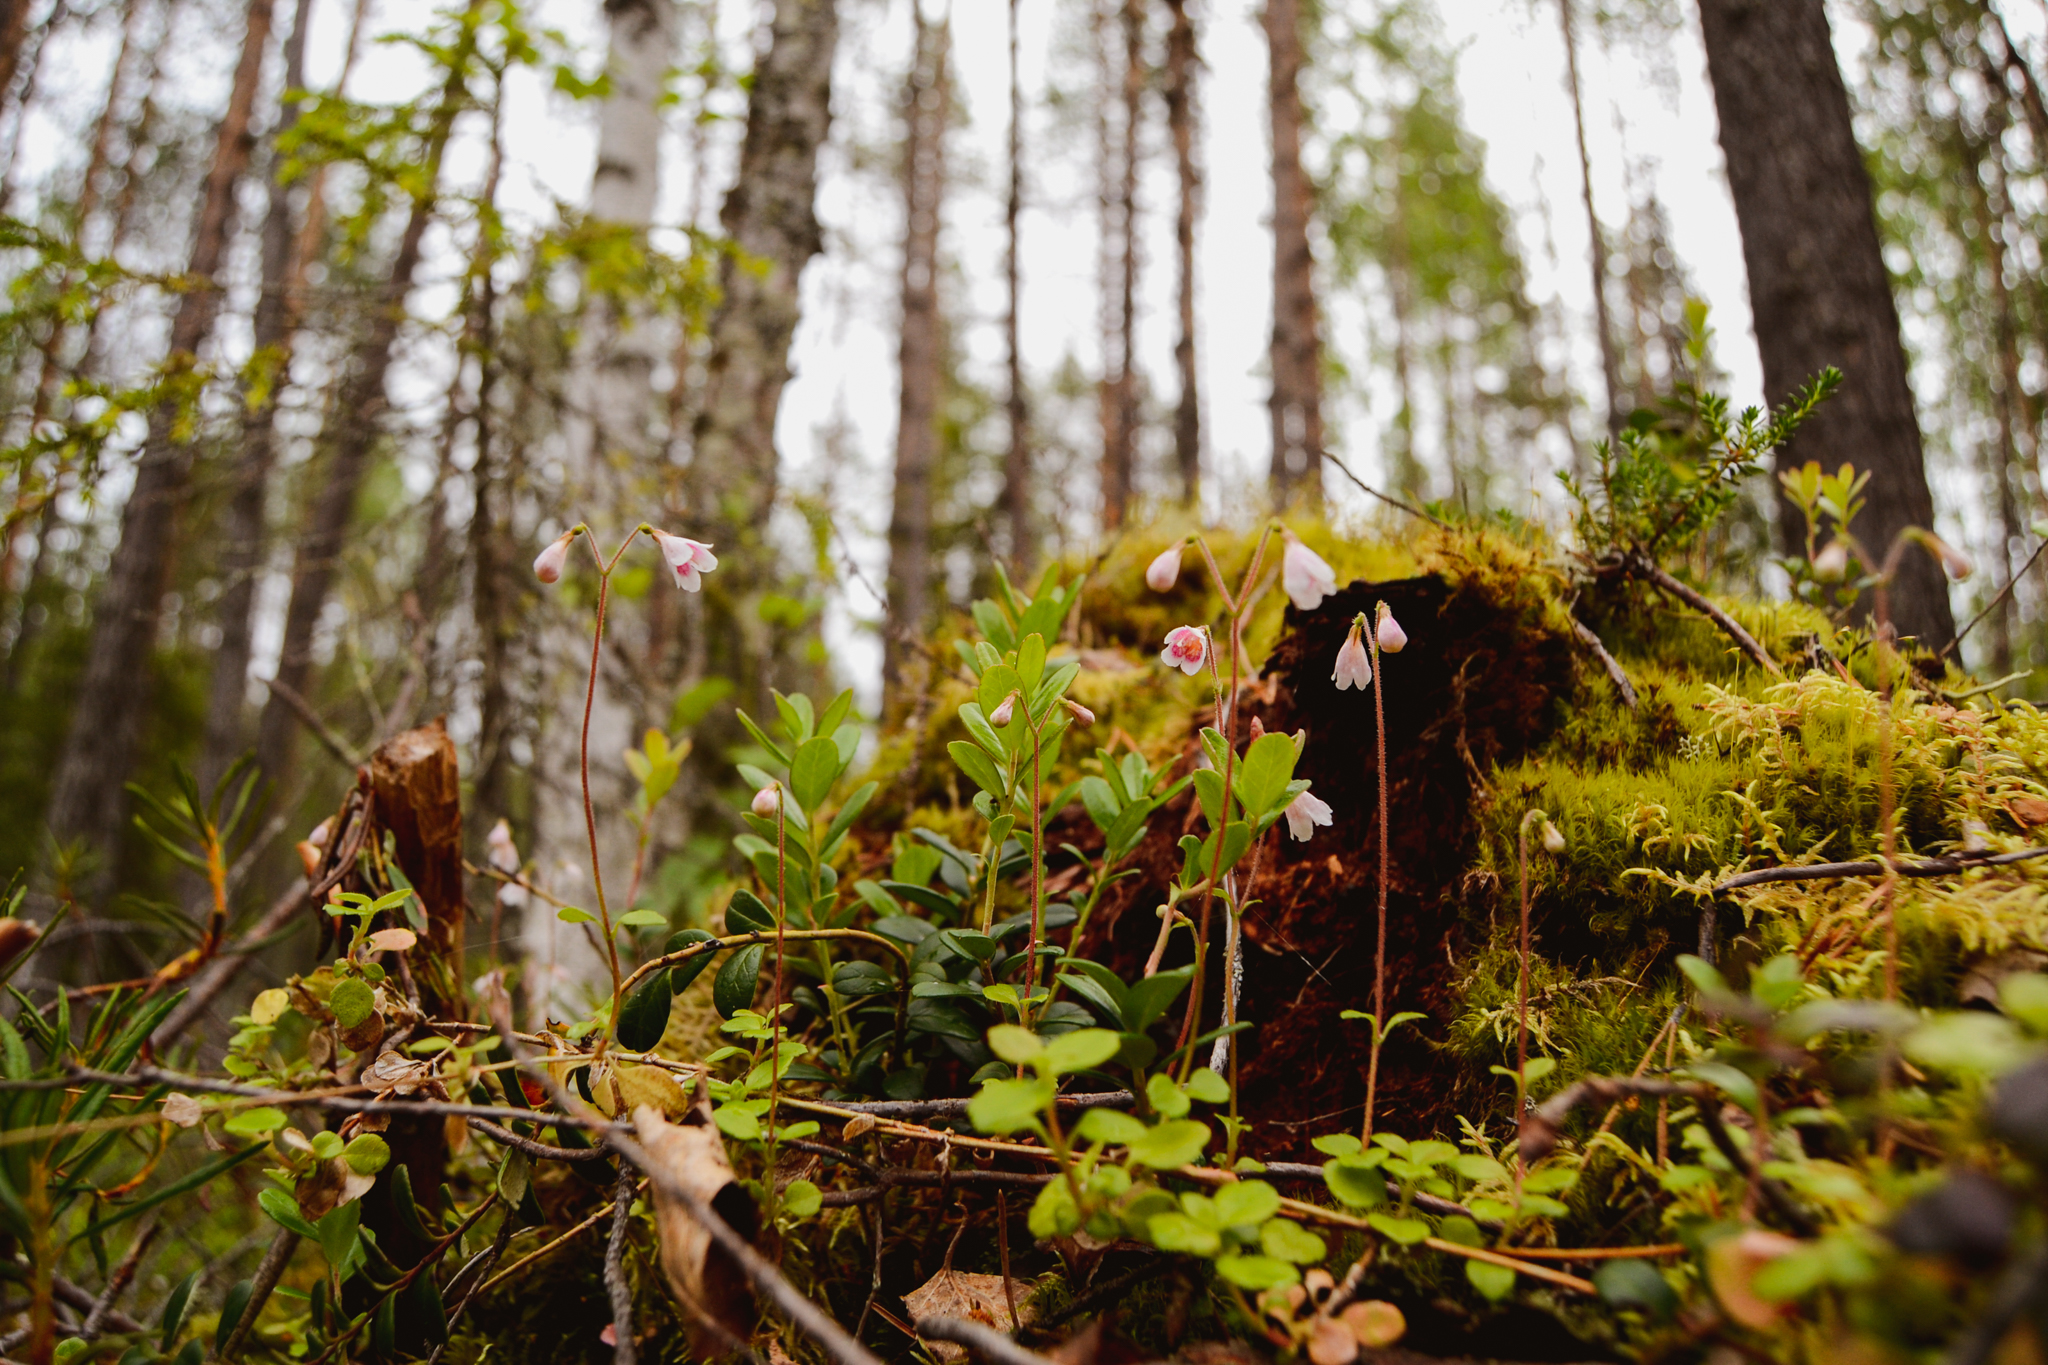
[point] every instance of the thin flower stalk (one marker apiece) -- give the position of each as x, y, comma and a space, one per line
1379, 945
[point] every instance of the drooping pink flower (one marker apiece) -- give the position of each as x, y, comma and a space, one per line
1354, 667
690, 559
1162, 573
549, 563
1304, 813
1305, 575
1392, 639
1831, 565
1186, 649
767, 801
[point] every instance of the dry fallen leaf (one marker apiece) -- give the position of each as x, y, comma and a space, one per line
182, 1110
1732, 1264
637, 1085
393, 1073
1375, 1323
704, 1279
2028, 810
957, 1294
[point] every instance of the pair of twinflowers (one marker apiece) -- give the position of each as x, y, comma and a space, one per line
1354, 665
1305, 576
689, 560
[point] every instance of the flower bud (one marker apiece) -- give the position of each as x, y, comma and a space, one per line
1258, 729
1080, 712
768, 801
1553, 838
549, 563
1004, 712
1391, 638
1831, 565
1162, 573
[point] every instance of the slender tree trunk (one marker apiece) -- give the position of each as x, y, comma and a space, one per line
1295, 355
52, 22
363, 402
1120, 458
1017, 459
770, 215
1108, 322
1182, 61
242, 548
1403, 463
1818, 288
1610, 362
926, 93
13, 32
86, 798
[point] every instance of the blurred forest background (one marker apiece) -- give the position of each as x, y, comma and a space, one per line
325, 315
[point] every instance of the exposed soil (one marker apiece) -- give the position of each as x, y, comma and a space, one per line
1477, 685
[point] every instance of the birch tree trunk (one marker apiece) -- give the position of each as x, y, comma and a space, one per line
927, 91
87, 799
361, 406
1817, 282
771, 217
612, 456
1182, 61
1296, 404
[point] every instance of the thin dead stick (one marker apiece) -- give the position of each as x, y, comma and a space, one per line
1607, 661
1992, 605
1365, 487
267, 1275
615, 1269
985, 1341
1934, 867
524, 1261
343, 752
807, 1316
1642, 566
219, 974
117, 1283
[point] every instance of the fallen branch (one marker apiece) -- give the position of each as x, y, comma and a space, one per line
615, 1283
1642, 566
318, 728
508, 1138
808, 1317
1992, 605
1934, 867
934, 1109
986, 1341
1607, 661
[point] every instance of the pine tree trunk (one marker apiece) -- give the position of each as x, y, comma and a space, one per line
360, 409
86, 799
1181, 64
771, 217
1017, 458
926, 93
242, 540
1817, 283
1120, 456
1603, 323
13, 32
1295, 355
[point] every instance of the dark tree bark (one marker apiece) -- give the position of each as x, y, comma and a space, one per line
926, 93
13, 33
1610, 362
1017, 458
1295, 356
242, 540
1817, 282
771, 217
1120, 453
86, 799
1182, 62
362, 404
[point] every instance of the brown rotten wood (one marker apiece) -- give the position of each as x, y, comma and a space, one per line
1818, 287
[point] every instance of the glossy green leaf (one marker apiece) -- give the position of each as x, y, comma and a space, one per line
813, 771
733, 989
1175, 1142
